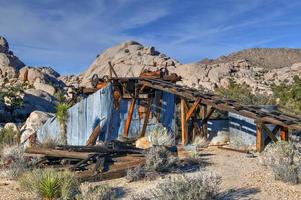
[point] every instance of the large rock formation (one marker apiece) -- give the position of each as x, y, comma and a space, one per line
39, 85
129, 59
9, 63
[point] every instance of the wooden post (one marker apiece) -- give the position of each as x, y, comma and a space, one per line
284, 133
112, 70
184, 123
129, 119
259, 137
204, 121
149, 103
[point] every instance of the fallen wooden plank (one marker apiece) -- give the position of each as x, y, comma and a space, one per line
58, 153
116, 170
95, 134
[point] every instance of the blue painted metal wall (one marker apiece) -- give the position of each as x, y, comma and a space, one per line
99, 108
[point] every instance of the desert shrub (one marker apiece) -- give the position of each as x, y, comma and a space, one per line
199, 187
136, 173
160, 135
8, 137
289, 95
13, 163
159, 159
284, 161
100, 192
50, 184
243, 93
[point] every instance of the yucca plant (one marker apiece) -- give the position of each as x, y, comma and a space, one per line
62, 116
48, 184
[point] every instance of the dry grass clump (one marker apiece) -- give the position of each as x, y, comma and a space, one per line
50, 143
99, 192
13, 163
160, 135
199, 187
50, 184
284, 160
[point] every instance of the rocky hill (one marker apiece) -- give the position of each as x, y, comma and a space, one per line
24, 89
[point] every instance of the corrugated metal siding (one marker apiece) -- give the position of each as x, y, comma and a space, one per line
99, 108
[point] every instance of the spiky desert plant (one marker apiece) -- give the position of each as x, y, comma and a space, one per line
49, 184
62, 116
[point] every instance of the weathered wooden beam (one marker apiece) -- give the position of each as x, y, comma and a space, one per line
193, 108
146, 118
183, 122
93, 137
58, 153
284, 134
269, 133
209, 114
77, 165
259, 137
130, 117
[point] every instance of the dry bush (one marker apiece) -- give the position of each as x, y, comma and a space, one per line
100, 192
159, 159
199, 187
160, 135
284, 160
13, 163
50, 184
136, 173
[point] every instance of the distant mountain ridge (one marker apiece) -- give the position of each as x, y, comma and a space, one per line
268, 58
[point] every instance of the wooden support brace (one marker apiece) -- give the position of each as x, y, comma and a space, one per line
268, 139
193, 109
147, 114
112, 70
183, 122
93, 137
129, 119
269, 133
284, 134
259, 137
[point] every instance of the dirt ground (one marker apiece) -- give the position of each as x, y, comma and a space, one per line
242, 178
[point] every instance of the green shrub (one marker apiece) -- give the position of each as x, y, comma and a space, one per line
243, 93
284, 161
198, 187
100, 192
289, 95
50, 184
8, 137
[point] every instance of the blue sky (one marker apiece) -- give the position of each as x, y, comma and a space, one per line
68, 34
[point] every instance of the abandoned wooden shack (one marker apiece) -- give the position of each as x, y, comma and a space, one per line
130, 107
124, 109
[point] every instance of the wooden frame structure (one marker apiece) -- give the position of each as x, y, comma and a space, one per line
199, 105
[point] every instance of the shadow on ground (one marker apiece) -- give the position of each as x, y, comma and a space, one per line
239, 193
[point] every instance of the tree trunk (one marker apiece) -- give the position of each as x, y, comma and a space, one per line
63, 132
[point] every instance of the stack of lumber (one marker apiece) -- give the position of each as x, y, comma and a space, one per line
91, 163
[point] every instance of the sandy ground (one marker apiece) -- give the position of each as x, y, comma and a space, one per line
243, 178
